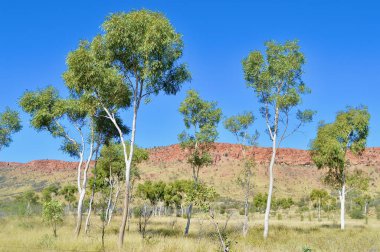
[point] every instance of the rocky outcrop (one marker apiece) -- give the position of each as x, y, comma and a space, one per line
221, 152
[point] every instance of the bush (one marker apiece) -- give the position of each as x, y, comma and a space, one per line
356, 213
52, 213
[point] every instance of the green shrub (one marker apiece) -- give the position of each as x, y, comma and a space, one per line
52, 213
356, 213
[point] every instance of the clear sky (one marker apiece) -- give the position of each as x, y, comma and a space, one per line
340, 39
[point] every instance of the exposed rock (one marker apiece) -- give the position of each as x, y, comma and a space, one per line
220, 152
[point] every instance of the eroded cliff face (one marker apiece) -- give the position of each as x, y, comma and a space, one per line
220, 151
286, 156
294, 171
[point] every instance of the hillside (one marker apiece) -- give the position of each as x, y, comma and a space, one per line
294, 172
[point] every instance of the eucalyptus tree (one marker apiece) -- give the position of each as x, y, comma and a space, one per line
52, 213
320, 196
136, 58
239, 126
201, 119
9, 124
60, 117
276, 79
348, 132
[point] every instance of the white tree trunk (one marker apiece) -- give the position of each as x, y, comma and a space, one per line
188, 219
113, 205
319, 209
128, 163
246, 210
87, 225
270, 191
79, 212
82, 188
342, 198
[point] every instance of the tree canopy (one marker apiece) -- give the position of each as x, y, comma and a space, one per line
349, 131
9, 124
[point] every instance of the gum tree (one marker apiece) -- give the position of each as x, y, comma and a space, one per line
139, 50
239, 126
320, 196
201, 119
348, 132
73, 121
9, 124
277, 83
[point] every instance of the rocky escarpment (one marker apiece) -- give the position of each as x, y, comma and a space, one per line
220, 151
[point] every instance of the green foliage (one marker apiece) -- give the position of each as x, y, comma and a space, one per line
53, 214
145, 47
176, 193
260, 202
151, 191
283, 203
111, 164
319, 196
68, 192
9, 124
27, 202
348, 132
303, 204
48, 111
276, 80
239, 125
356, 213
201, 195
49, 191
202, 118
91, 74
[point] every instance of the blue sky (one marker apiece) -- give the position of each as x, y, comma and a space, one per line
340, 40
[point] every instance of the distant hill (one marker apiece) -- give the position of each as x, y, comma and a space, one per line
295, 174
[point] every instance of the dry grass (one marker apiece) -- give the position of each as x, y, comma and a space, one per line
165, 234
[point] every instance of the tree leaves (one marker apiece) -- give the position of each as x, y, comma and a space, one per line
9, 124
348, 132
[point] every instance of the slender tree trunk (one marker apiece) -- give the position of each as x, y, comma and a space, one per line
246, 210
342, 198
79, 212
55, 229
319, 209
80, 201
109, 202
222, 243
128, 162
113, 205
188, 219
270, 191
82, 188
87, 226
